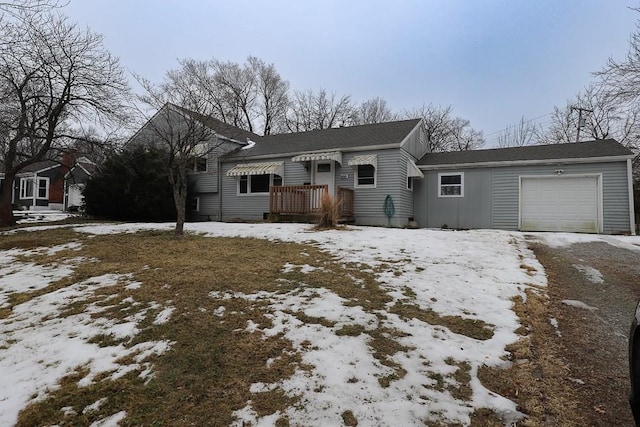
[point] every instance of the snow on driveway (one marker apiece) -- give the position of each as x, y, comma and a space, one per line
471, 274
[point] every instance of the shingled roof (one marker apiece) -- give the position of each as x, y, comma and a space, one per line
348, 137
581, 150
220, 127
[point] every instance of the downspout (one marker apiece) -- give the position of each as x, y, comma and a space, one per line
219, 188
632, 213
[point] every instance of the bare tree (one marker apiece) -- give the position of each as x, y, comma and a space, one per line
311, 111
374, 110
15, 7
445, 132
250, 96
272, 96
437, 122
622, 78
525, 132
463, 137
54, 78
179, 127
604, 116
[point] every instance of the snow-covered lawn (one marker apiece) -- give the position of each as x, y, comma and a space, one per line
473, 275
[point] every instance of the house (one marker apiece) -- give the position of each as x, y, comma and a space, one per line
39, 186
74, 183
385, 175
580, 187
214, 136
363, 165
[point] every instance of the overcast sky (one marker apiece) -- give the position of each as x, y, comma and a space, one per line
493, 61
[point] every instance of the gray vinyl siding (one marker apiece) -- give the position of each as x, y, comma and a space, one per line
391, 179
473, 210
415, 143
204, 185
207, 182
615, 196
253, 207
208, 208
492, 196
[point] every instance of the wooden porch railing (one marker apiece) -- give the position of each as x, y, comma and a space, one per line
305, 199
296, 199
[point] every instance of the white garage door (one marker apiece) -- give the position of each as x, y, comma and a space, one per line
559, 204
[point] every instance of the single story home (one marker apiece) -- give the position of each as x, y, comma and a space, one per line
39, 186
385, 175
368, 167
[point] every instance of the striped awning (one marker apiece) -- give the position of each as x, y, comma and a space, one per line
413, 171
365, 159
329, 155
265, 168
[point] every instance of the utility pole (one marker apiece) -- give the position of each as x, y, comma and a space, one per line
580, 110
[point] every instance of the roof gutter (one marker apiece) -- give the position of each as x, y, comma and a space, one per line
504, 163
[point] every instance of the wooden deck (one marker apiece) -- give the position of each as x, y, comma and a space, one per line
301, 203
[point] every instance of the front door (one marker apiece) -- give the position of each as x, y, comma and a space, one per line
324, 174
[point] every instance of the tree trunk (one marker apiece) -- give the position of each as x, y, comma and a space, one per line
179, 184
6, 211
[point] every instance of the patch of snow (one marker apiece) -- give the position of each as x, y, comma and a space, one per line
95, 406
164, 316
473, 275
593, 275
110, 421
554, 323
133, 285
578, 304
39, 347
556, 240
305, 268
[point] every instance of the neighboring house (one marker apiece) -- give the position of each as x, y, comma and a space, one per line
580, 187
384, 175
74, 183
39, 186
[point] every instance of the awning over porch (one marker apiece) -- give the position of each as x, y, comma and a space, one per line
413, 171
365, 159
264, 168
329, 155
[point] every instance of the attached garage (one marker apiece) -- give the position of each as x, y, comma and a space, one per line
581, 187
562, 203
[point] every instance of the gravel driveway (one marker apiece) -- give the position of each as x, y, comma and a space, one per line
593, 289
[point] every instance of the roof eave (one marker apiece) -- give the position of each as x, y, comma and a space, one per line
503, 163
295, 153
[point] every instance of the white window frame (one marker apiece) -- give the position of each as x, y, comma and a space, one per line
197, 199
24, 187
356, 177
35, 188
440, 185
249, 178
410, 183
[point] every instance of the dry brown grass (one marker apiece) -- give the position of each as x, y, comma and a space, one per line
533, 378
329, 214
208, 371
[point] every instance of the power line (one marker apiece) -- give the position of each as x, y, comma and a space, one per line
516, 124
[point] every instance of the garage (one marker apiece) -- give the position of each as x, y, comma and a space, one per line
560, 203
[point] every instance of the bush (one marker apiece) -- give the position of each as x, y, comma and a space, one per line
131, 186
329, 211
